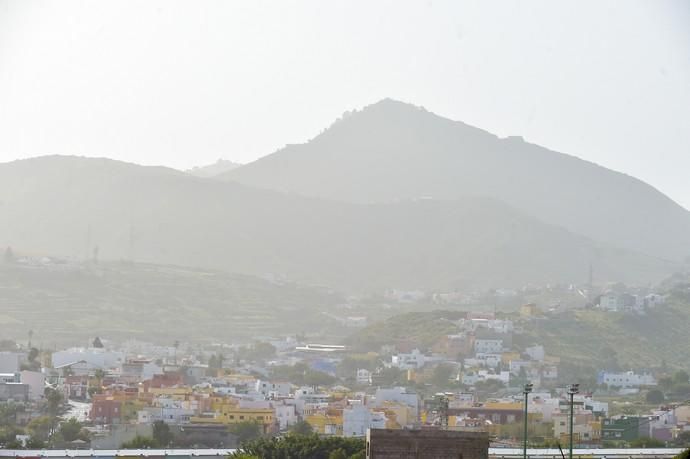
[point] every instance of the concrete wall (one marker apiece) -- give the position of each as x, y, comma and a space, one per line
427, 444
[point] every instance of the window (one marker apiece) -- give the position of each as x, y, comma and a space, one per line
259, 418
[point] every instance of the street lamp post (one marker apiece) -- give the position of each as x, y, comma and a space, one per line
572, 390
526, 391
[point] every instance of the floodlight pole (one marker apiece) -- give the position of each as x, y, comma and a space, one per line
526, 391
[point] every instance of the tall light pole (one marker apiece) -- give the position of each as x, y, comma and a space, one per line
572, 390
526, 391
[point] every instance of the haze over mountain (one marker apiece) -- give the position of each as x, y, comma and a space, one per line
394, 151
219, 167
70, 205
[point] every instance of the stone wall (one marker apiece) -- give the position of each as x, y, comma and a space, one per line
426, 444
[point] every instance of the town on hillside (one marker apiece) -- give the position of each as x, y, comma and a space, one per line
476, 376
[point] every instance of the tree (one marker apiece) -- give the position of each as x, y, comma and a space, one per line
140, 442
681, 377
13, 444
666, 382
33, 364
53, 401
70, 429
162, 434
391, 377
8, 413
318, 378
646, 442
301, 428
302, 446
655, 397
246, 431
97, 343
40, 427
441, 376
684, 455
683, 439
35, 443
337, 454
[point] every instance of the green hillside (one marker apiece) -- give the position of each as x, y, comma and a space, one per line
69, 206
582, 337
67, 303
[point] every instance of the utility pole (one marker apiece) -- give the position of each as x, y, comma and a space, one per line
527, 389
572, 390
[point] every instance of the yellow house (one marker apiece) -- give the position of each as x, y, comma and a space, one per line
508, 357
230, 413
326, 424
398, 413
503, 405
530, 310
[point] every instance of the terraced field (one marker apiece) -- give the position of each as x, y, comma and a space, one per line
66, 302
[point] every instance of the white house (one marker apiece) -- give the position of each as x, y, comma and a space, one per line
363, 376
410, 361
487, 359
10, 362
515, 366
500, 326
357, 419
652, 300
36, 382
471, 378
488, 346
285, 414
273, 389
536, 352
628, 379
609, 302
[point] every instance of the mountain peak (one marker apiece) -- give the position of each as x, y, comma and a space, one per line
392, 151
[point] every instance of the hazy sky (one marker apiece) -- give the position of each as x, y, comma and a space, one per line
183, 83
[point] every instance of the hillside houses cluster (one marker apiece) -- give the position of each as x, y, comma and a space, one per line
480, 368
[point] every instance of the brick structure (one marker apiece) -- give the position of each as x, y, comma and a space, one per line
426, 444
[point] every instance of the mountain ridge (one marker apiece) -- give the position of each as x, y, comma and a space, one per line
70, 206
392, 150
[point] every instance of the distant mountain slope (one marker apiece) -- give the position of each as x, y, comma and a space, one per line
391, 151
68, 206
581, 337
63, 303
219, 167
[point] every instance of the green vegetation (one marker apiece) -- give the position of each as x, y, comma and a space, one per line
301, 374
126, 300
162, 434
586, 340
70, 430
257, 351
655, 397
301, 428
246, 431
140, 442
616, 340
302, 446
422, 328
